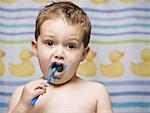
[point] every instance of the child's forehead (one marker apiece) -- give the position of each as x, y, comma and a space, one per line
54, 27
62, 20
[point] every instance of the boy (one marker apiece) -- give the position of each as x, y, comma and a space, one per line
61, 38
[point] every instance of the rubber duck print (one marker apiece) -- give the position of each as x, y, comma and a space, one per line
70, 0
40, 0
2, 54
26, 68
127, 0
99, 1
88, 68
114, 69
8, 0
143, 68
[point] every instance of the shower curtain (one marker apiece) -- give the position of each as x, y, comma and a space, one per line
119, 56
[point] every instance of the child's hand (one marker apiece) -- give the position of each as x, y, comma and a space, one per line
33, 89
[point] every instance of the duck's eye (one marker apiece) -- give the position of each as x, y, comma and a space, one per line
71, 46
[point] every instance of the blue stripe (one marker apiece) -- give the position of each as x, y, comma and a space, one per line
17, 18
17, 25
19, 9
125, 83
127, 93
117, 10
114, 83
114, 104
120, 18
134, 93
130, 104
94, 34
94, 26
94, 18
3, 105
5, 94
121, 26
12, 83
20, 33
120, 34
86, 9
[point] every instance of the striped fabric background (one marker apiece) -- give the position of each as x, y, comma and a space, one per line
122, 26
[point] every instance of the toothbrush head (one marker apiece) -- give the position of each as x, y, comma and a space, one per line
59, 66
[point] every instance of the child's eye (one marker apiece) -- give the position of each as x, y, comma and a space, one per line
71, 46
50, 43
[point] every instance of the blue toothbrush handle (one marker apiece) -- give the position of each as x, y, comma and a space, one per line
48, 80
34, 100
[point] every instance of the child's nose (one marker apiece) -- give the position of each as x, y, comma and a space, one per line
59, 53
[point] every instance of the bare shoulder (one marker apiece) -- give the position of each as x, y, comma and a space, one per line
18, 89
97, 86
17, 92
100, 89
14, 99
102, 96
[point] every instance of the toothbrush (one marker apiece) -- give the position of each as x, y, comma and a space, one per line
48, 78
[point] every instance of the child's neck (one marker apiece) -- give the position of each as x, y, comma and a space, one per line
74, 79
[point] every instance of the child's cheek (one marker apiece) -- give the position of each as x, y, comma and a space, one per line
74, 60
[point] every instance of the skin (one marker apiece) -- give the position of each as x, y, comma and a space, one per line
68, 93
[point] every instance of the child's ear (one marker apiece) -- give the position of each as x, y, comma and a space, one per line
85, 52
34, 47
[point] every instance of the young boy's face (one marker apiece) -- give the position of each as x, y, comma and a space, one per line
59, 43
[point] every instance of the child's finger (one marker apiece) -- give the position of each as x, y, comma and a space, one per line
40, 86
45, 83
40, 82
39, 92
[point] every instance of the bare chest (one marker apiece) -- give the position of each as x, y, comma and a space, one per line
66, 102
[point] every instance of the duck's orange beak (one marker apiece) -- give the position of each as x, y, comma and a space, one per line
31, 54
93, 53
2, 54
121, 54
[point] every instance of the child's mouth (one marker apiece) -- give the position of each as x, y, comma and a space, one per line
59, 67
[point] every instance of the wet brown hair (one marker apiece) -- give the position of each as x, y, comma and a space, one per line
73, 14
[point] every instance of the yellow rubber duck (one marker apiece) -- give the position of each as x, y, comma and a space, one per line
114, 69
40, 0
99, 1
127, 0
26, 68
70, 0
88, 68
48, 0
8, 0
2, 54
143, 68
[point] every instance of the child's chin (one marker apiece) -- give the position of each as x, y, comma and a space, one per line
58, 75
58, 82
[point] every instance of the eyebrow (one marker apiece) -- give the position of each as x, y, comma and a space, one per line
73, 39
50, 35
69, 38
74, 36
